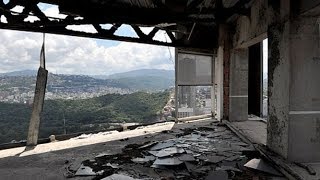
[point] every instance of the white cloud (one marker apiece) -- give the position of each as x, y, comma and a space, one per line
74, 55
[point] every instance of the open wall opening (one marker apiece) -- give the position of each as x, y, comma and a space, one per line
265, 79
92, 86
255, 80
258, 79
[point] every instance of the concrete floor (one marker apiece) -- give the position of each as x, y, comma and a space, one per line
255, 130
49, 161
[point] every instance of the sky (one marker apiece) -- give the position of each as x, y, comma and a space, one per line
75, 55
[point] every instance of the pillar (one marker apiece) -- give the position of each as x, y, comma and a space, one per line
294, 87
219, 82
238, 98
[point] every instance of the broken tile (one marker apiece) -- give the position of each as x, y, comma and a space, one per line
226, 154
118, 177
144, 159
148, 145
186, 157
86, 171
214, 159
190, 167
217, 175
182, 145
261, 165
167, 161
162, 145
158, 166
233, 158
169, 152
114, 166
229, 168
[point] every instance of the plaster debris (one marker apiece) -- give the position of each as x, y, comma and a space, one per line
261, 165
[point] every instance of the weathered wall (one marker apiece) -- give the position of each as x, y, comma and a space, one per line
304, 114
294, 99
252, 29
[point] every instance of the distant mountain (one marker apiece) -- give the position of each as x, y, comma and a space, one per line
141, 73
147, 83
139, 80
144, 79
20, 73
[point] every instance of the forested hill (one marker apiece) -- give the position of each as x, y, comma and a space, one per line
81, 115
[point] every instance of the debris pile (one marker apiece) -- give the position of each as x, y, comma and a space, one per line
200, 153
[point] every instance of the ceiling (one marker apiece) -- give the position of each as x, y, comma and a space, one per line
190, 24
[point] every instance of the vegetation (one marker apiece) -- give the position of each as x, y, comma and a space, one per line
81, 115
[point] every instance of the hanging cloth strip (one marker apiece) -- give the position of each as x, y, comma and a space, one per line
38, 100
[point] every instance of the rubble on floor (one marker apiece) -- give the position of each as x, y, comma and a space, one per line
201, 153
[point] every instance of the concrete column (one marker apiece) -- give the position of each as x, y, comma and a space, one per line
223, 71
294, 89
238, 108
219, 82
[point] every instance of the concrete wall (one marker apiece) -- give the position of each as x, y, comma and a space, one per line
304, 114
294, 98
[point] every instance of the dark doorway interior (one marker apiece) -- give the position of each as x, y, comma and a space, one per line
255, 80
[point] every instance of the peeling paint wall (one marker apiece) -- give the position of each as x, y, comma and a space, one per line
304, 115
252, 29
278, 88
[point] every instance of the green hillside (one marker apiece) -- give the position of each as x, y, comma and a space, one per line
147, 83
81, 115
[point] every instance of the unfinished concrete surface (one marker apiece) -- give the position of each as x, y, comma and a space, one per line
294, 89
229, 154
255, 130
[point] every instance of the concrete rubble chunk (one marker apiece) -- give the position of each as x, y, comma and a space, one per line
217, 175
261, 165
